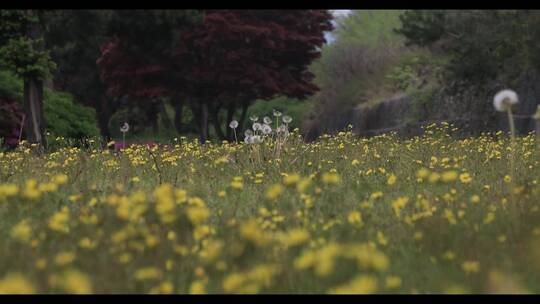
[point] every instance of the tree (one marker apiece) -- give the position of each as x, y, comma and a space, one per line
485, 51
226, 62
277, 49
75, 52
352, 70
22, 51
135, 61
484, 46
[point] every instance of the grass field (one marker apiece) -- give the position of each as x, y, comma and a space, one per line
431, 214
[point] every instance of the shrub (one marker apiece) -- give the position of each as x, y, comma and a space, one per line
64, 117
10, 121
291, 107
67, 118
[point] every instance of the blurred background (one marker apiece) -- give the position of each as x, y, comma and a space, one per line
188, 73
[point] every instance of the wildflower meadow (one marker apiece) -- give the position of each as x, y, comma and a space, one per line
272, 213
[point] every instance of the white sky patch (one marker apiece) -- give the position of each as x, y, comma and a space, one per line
337, 14
340, 13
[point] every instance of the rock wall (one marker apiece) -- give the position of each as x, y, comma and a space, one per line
469, 112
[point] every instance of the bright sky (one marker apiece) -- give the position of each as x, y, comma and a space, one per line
340, 13
337, 14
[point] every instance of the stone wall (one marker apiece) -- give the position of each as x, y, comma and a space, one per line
469, 112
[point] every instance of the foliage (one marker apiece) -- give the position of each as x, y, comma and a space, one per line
10, 122
23, 58
484, 46
369, 27
207, 67
353, 69
422, 27
75, 52
63, 115
417, 69
296, 109
20, 51
66, 118
11, 86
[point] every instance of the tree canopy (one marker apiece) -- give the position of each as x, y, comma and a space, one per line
230, 58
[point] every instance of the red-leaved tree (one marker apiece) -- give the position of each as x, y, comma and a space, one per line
224, 63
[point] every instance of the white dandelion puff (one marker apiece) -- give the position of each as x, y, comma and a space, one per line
124, 128
233, 124
267, 120
287, 119
256, 126
504, 100
254, 118
277, 113
266, 129
281, 129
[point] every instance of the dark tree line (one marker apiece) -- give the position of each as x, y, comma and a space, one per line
223, 63
214, 62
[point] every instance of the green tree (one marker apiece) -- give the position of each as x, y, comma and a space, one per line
75, 52
484, 46
22, 52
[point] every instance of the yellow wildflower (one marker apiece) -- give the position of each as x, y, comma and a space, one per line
393, 282
449, 176
363, 284
331, 178
291, 179
470, 267
355, 218
147, 273
465, 178
274, 191
64, 258
21, 231
16, 283
391, 179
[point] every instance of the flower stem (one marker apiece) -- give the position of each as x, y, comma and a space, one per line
512, 166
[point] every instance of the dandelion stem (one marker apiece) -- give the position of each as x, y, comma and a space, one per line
512, 166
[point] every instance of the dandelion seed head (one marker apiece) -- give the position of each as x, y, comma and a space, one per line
287, 119
266, 129
233, 124
504, 100
124, 128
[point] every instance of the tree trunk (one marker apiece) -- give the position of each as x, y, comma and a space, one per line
167, 123
217, 123
204, 123
230, 113
33, 110
152, 113
103, 110
33, 97
242, 117
178, 111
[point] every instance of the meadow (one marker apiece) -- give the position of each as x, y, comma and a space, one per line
430, 214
